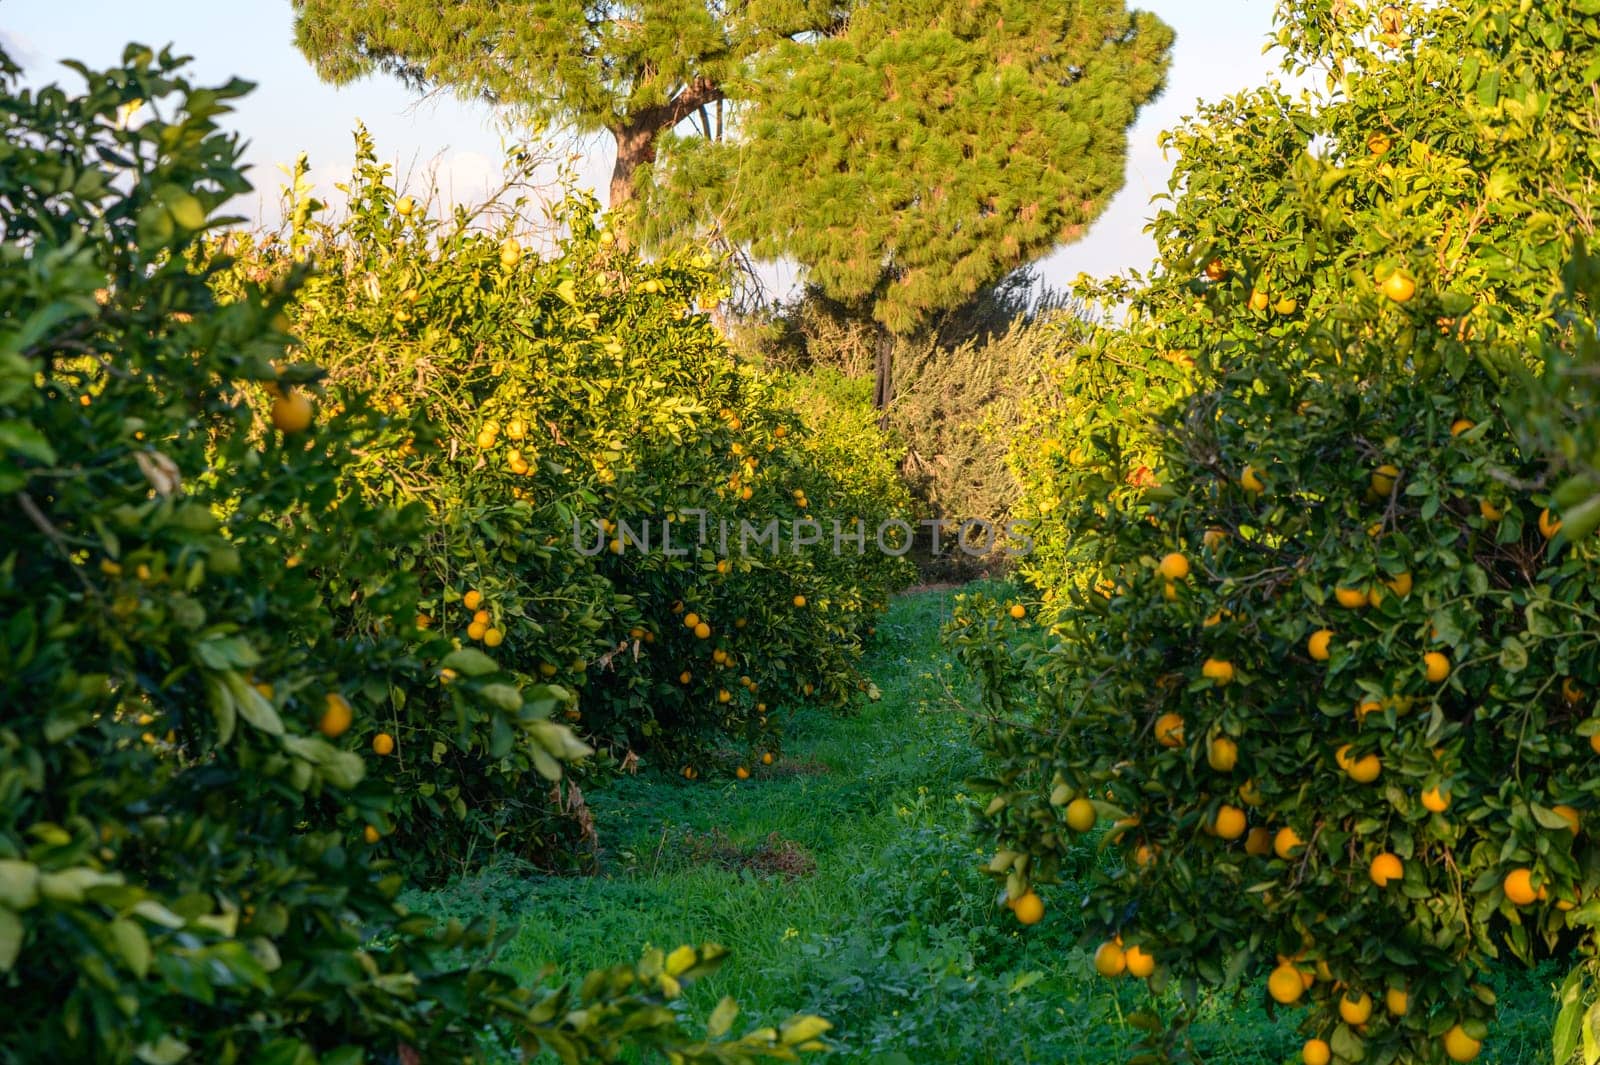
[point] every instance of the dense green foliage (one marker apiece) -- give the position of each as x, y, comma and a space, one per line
202, 618
1315, 640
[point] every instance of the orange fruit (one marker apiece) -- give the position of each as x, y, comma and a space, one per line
799, 601
1365, 707
1214, 538
1285, 985
1018, 611
1140, 964
1350, 598
482, 617
1594, 743
1399, 287
1355, 1010
1459, 1046
742, 773
690, 620
1285, 305
1548, 526
1110, 960
1169, 730
1316, 1052
1570, 692
702, 631
1396, 1001
1258, 300
383, 743
1460, 425
1215, 271
1029, 908
724, 695
1436, 800
1363, 770
1250, 480
1489, 511
685, 677
371, 834
1258, 842
1317, 645
766, 759
291, 412
1386, 867
1229, 822
1081, 815
1217, 670
1222, 754
1400, 585
1569, 815
336, 716
1437, 667
493, 637
1518, 886
472, 600
1383, 479
1174, 567
476, 630
1287, 843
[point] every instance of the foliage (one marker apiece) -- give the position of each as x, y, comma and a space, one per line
1360, 277
192, 863
543, 407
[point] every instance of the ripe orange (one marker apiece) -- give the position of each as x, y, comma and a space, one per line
1379, 143
742, 773
1174, 567
1316, 1052
1518, 886
1399, 287
291, 412
702, 631
1569, 815
1215, 271
1363, 770
1437, 666
1548, 526
1386, 867
799, 601
1029, 908
472, 600
690, 620
336, 717
1110, 960
724, 695
382, 744
1213, 539
1355, 1010
1222, 754
1396, 1001
1251, 481
1217, 670
1459, 1046
510, 252
1436, 800
1400, 585
1258, 300
1317, 645
1489, 511
1140, 964
1285, 985
685, 677
1081, 815
1460, 425
766, 759
1258, 842
1229, 822
1018, 611
1287, 843
1570, 692
476, 630
1383, 479
1169, 730
493, 637
371, 834
1350, 598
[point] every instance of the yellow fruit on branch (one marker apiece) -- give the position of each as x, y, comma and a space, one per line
1285, 985
1396, 1001
1363, 770
702, 631
1569, 815
1287, 843
1548, 526
1316, 1052
1258, 842
1215, 270
1080, 815
336, 716
1384, 478
1571, 693
1459, 1046
1250, 480
1174, 567
1217, 670
1029, 908
1222, 754
383, 744
1110, 960
1437, 667
371, 834
1355, 1009
1317, 645
799, 601
1489, 511
291, 412
1385, 868
1018, 611
1436, 800
1169, 730
1519, 889
472, 600
1399, 287
1229, 822
1350, 598
1140, 964
1259, 300
1400, 585
1460, 425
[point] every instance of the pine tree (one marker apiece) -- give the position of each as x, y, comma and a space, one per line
908, 153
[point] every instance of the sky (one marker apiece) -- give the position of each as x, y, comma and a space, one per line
1218, 52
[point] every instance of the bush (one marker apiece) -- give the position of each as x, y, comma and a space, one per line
1326, 665
201, 615
552, 414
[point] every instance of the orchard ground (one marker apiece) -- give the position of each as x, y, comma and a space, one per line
848, 881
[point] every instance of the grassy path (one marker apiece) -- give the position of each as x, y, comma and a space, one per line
845, 881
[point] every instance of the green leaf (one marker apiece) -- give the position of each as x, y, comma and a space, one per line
470, 662
19, 884
10, 939
1513, 656
722, 1018
132, 945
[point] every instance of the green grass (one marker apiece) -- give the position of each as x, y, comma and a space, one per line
890, 930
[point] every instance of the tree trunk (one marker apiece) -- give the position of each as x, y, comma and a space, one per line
636, 147
883, 387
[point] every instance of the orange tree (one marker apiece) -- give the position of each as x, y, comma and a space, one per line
1330, 673
554, 414
192, 855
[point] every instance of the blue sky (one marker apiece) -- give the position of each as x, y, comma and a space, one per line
1218, 52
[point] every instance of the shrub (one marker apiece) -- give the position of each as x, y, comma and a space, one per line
551, 414
1327, 669
193, 852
